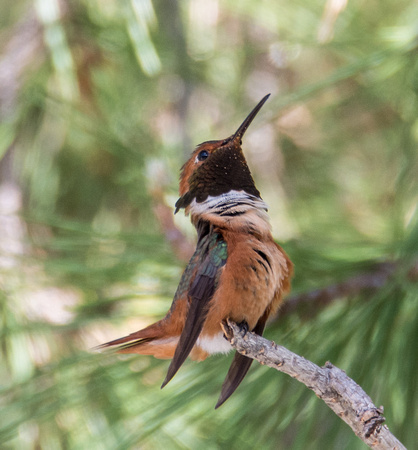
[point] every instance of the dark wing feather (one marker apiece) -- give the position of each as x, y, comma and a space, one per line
239, 368
200, 293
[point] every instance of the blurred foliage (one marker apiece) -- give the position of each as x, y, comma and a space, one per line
101, 103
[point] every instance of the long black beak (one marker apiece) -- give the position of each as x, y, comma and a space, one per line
244, 126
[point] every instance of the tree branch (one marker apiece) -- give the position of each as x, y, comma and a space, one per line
317, 299
345, 397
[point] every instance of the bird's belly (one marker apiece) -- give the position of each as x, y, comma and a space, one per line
214, 344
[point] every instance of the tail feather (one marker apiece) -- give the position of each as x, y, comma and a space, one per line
239, 367
151, 332
236, 373
148, 341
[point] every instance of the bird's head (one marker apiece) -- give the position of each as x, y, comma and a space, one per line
218, 167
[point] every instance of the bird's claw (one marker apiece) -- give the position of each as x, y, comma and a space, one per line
243, 328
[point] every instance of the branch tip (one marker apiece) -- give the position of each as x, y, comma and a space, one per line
331, 384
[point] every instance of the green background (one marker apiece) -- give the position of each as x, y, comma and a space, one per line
101, 102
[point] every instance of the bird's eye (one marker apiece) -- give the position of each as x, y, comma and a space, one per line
202, 155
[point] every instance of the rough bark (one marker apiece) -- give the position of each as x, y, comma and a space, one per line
345, 397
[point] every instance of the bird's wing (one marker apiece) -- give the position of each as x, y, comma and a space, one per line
239, 367
213, 252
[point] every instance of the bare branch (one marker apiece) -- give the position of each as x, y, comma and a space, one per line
345, 397
373, 280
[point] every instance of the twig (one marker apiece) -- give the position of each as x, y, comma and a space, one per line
345, 397
317, 299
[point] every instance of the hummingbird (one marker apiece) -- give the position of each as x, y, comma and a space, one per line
237, 272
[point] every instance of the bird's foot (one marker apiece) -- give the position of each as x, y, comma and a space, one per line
243, 327
227, 329
228, 333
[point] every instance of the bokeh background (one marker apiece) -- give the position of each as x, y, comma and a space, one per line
101, 102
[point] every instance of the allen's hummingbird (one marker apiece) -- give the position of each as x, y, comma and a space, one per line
237, 272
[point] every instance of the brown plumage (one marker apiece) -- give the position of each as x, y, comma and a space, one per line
237, 272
